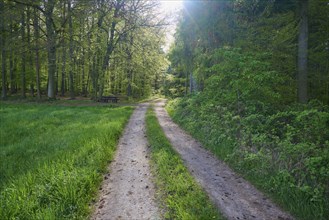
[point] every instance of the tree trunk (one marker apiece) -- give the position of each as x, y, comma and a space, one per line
11, 62
11, 72
30, 60
51, 48
82, 59
37, 61
63, 55
110, 44
71, 82
94, 77
63, 68
302, 52
23, 70
3, 53
129, 65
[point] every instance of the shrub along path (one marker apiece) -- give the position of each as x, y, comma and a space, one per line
235, 197
128, 192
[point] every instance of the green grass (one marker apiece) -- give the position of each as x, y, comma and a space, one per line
53, 157
182, 197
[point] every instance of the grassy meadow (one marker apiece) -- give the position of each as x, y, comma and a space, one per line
53, 157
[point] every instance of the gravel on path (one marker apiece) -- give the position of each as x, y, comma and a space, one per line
127, 191
235, 197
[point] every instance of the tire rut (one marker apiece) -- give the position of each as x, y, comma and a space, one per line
235, 197
127, 191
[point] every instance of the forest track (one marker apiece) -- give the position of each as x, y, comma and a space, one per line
235, 197
127, 191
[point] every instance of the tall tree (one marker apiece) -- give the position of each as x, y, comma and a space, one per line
23, 70
51, 46
36, 45
3, 51
303, 51
71, 80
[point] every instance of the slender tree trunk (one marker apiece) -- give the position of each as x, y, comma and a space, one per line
93, 72
63, 54
30, 59
51, 47
88, 83
11, 71
110, 44
83, 80
11, 62
3, 53
57, 75
4, 78
82, 59
71, 80
302, 52
90, 62
23, 70
37, 61
93, 77
15, 86
63, 68
129, 66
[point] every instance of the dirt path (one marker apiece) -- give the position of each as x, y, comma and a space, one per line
128, 192
235, 197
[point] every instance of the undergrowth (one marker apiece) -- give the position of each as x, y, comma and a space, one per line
53, 157
183, 197
283, 152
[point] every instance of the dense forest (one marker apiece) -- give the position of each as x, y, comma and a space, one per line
255, 76
80, 48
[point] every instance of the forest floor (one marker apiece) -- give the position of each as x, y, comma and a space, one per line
128, 191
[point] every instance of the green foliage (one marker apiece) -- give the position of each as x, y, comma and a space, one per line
243, 76
283, 152
102, 47
53, 157
183, 197
242, 55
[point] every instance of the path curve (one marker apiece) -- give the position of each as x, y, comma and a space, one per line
235, 197
127, 191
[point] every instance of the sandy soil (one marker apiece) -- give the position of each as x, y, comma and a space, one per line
128, 191
235, 197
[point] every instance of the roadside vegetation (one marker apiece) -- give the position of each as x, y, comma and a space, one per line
53, 158
251, 81
182, 197
285, 153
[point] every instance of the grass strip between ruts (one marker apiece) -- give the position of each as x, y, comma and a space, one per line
181, 197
